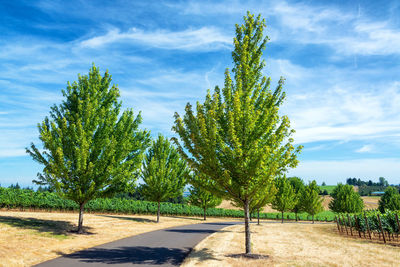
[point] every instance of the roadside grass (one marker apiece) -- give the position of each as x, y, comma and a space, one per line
291, 244
28, 238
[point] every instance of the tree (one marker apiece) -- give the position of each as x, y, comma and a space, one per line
390, 200
237, 137
285, 198
202, 198
323, 184
345, 199
310, 199
262, 198
90, 149
164, 173
298, 186
383, 181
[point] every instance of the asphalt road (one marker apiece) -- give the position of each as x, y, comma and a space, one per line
166, 247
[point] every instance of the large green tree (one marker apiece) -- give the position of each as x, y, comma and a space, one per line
345, 199
237, 137
90, 149
390, 200
285, 198
164, 173
310, 200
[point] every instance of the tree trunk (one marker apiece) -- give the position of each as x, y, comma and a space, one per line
80, 222
296, 216
258, 216
247, 226
158, 211
204, 212
282, 216
313, 219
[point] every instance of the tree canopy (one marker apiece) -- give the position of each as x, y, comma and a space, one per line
90, 149
237, 137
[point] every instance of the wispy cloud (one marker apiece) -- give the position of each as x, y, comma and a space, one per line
365, 149
347, 32
204, 38
324, 104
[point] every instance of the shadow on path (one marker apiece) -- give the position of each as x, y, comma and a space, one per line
186, 218
192, 231
46, 226
134, 255
142, 220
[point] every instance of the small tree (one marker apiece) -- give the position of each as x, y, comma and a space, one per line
90, 149
345, 199
164, 173
310, 199
203, 199
237, 137
262, 198
285, 198
298, 186
390, 200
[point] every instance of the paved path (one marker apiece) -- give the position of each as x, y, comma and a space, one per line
166, 247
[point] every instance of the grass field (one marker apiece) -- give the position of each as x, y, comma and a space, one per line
28, 238
291, 244
328, 188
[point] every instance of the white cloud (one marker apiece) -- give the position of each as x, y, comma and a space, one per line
205, 38
337, 107
333, 171
348, 32
365, 149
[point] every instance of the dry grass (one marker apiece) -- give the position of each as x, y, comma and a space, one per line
292, 244
28, 238
369, 202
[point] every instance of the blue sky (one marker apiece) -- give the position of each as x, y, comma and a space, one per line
341, 61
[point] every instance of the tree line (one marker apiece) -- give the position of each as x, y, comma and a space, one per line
358, 182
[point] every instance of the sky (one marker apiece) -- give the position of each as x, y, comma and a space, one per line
341, 61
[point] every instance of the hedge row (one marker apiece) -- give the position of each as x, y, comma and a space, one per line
28, 199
